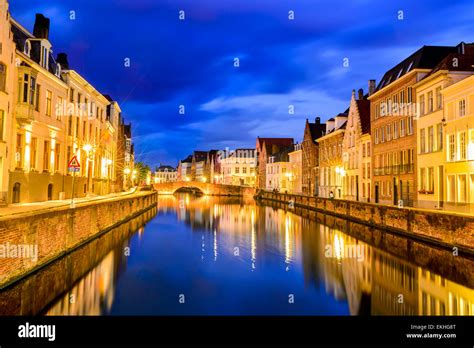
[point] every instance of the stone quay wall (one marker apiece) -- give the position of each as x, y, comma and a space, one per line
31, 240
450, 230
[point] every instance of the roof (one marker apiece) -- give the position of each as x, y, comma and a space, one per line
282, 155
465, 62
199, 156
127, 130
427, 57
316, 130
163, 168
275, 141
187, 159
363, 105
21, 35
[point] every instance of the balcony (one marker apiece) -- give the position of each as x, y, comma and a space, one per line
394, 170
24, 112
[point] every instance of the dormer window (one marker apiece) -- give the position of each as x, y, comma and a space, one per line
44, 57
27, 48
58, 70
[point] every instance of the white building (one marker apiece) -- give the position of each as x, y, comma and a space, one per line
238, 167
278, 169
165, 174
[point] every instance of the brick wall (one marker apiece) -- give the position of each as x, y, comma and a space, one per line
443, 229
60, 230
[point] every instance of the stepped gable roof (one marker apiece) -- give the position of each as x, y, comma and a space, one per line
363, 105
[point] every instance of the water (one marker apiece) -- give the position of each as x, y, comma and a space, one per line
219, 256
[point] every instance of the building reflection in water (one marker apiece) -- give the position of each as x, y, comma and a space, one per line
374, 282
93, 294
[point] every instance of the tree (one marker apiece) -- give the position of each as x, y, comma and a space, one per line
142, 171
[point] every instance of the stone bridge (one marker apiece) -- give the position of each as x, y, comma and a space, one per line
170, 188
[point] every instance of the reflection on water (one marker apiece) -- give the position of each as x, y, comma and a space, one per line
231, 258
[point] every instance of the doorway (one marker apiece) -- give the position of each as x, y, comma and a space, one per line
50, 192
16, 193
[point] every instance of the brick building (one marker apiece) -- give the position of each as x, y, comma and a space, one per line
310, 153
393, 107
267, 147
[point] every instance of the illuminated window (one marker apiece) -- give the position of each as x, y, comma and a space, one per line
49, 97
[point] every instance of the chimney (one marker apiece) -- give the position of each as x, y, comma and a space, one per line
371, 87
317, 120
62, 60
361, 93
41, 28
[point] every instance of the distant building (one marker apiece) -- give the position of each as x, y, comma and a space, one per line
267, 147
238, 167
165, 173
295, 174
356, 150
184, 169
331, 170
310, 153
278, 169
198, 166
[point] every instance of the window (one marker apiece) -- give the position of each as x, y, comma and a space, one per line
389, 132
422, 179
46, 155
430, 101
69, 127
57, 153
422, 105
3, 77
244, 170
395, 130
59, 108
431, 179
409, 95
49, 97
462, 107
32, 90
430, 139
19, 151
2, 123
422, 141
33, 152
462, 188
71, 95
462, 146
452, 148
26, 79
439, 98
236, 170
37, 98
439, 132
368, 149
377, 136
382, 134
402, 128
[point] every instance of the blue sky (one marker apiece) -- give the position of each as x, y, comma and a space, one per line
282, 62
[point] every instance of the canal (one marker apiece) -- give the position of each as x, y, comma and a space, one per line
222, 256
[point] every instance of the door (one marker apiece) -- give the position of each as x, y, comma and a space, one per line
376, 193
440, 186
395, 192
16, 193
50, 192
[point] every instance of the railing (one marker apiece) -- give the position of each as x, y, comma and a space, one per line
396, 169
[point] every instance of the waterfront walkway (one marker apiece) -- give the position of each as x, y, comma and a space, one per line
20, 208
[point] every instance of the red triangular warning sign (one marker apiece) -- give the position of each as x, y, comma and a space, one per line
74, 163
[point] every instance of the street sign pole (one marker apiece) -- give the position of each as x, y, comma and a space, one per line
72, 193
73, 167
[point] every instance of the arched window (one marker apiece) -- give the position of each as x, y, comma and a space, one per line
27, 48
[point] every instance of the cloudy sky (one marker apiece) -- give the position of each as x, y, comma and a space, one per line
282, 61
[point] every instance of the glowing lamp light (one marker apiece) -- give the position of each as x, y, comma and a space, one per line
127, 171
87, 147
